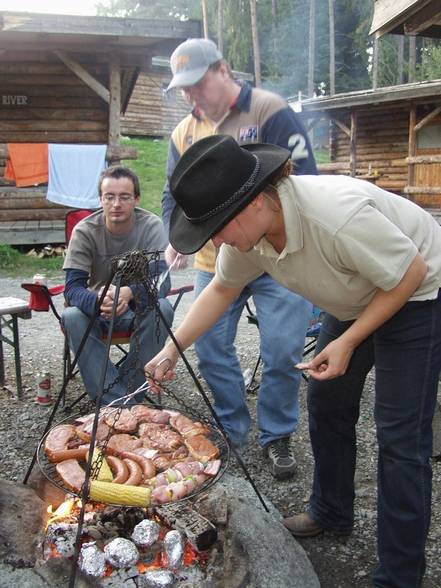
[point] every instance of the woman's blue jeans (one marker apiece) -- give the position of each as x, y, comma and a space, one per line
406, 352
283, 319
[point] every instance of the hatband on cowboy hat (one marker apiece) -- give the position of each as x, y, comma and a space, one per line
212, 182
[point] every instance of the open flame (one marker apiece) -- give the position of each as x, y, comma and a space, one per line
63, 512
68, 512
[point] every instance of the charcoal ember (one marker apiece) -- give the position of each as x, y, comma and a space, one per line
92, 561
121, 553
174, 548
156, 579
63, 536
145, 533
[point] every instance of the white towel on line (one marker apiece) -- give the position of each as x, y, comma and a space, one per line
74, 172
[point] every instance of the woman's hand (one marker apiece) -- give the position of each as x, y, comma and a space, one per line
331, 362
175, 259
161, 368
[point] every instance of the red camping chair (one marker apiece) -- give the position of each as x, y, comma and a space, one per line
41, 298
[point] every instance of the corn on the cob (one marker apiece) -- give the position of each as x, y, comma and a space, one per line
119, 494
104, 473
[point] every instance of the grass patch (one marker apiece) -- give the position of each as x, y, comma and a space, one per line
150, 168
321, 156
14, 262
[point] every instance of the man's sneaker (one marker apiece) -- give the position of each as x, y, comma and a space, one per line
282, 461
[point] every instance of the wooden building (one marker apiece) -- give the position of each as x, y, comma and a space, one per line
408, 17
390, 136
152, 111
68, 79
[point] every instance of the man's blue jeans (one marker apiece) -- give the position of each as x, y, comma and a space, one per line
130, 373
406, 351
283, 319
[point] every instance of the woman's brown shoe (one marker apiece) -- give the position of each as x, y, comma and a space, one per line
302, 525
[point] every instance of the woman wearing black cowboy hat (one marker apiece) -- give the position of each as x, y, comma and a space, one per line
372, 261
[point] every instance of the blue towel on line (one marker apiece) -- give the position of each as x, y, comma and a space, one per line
74, 172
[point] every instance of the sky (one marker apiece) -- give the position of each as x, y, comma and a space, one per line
85, 7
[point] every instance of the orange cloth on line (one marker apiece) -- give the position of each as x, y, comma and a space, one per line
27, 164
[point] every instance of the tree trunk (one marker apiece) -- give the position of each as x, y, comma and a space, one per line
331, 47
273, 26
311, 48
220, 25
375, 65
400, 76
256, 52
205, 17
412, 58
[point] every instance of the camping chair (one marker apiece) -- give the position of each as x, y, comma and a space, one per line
41, 300
312, 334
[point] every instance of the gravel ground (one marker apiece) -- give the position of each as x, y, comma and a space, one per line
338, 563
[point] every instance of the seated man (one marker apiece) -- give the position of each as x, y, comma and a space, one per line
117, 228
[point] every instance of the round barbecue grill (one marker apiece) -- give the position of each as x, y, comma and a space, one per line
48, 468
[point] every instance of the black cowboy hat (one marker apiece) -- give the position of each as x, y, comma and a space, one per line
212, 182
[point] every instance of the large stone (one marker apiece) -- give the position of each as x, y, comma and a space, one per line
21, 524
258, 551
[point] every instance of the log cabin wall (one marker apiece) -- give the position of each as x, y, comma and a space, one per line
42, 101
427, 172
151, 111
381, 145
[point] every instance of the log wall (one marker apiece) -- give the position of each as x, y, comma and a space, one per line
382, 148
44, 102
151, 111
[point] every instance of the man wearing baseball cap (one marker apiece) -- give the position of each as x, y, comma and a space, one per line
222, 105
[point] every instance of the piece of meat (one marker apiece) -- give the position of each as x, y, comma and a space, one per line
144, 414
74, 453
147, 466
163, 461
58, 439
119, 469
145, 429
186, 427
189, 468
146, 452
177, 490
160, 437
71, 473
84, 430
180, 453
201, 448
135, 472
212, 468
124, 422
123, 442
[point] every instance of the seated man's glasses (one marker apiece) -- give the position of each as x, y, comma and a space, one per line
111, 198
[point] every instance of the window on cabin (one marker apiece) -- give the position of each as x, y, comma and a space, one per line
429, 137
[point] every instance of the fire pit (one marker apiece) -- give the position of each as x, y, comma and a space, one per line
134, 546
136, 528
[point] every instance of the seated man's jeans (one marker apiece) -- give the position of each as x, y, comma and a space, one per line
144, 344
283, 320
406, 351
